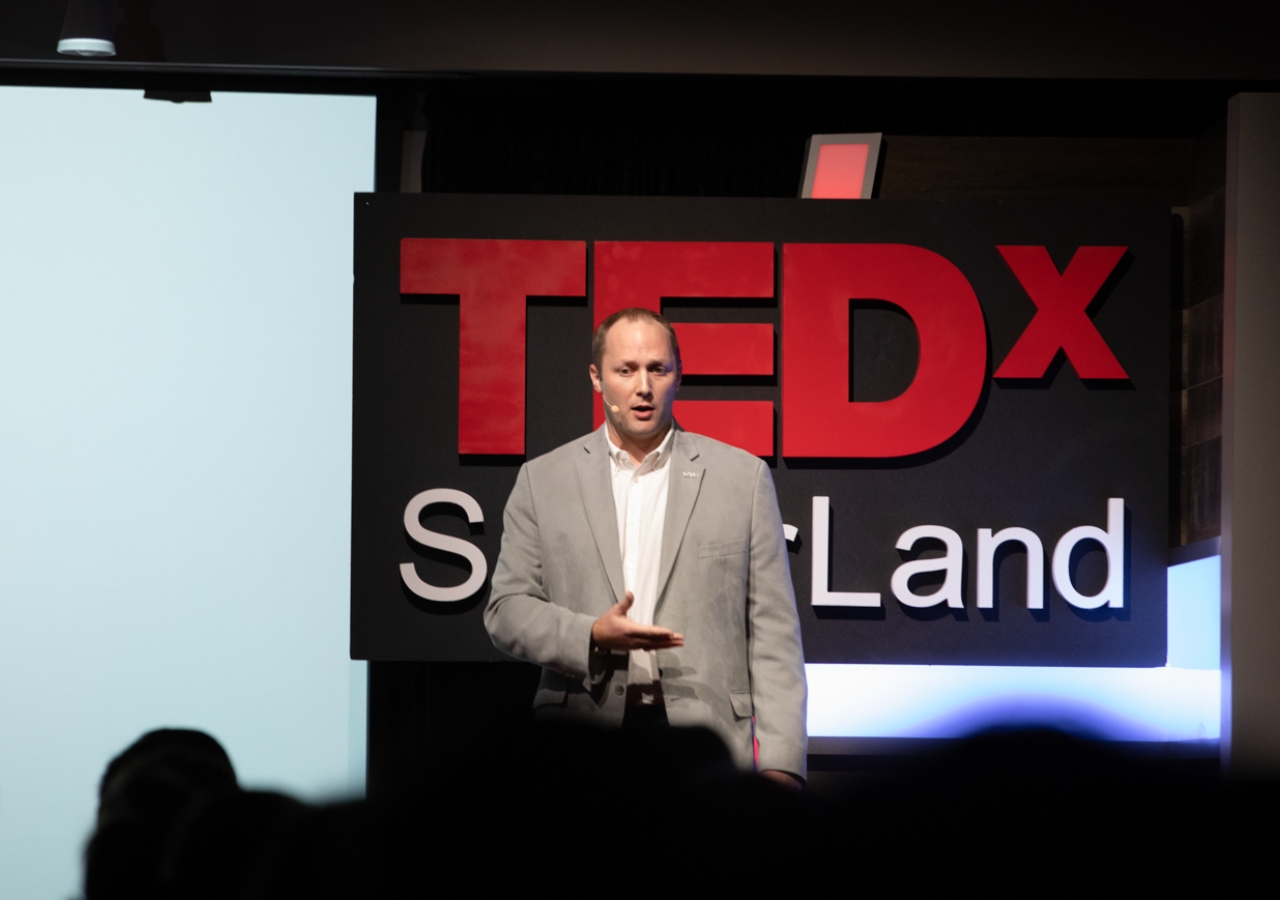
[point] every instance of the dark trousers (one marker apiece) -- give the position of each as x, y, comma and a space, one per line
641, 716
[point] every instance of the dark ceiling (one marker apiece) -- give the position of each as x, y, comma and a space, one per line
1057, 39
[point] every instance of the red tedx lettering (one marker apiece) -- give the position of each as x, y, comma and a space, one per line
818, 283
641, 273
726, 348
1061, 320
492, 280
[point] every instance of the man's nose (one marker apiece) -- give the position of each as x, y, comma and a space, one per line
644, 387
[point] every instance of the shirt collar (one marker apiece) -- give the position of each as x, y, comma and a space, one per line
656, 458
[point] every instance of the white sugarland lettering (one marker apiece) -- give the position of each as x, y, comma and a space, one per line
819, 593
1112, 541
988, 543
428, 538
952, 564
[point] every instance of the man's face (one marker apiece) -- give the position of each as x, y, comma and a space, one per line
638, 374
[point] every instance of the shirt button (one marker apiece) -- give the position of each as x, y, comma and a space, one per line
618, 689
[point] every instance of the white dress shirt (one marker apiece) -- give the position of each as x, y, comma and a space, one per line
640, 498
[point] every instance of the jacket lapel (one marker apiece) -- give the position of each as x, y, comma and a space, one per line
685, 481
597, 497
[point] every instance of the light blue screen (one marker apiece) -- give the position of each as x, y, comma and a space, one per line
175, 416
1195, 614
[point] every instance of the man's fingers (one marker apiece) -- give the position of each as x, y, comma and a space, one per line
649, 631
620, 633
651, 637
647, 642
656, 639
624, 604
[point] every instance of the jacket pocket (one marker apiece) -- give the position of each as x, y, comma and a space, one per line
728, 548
741, 702
553, 688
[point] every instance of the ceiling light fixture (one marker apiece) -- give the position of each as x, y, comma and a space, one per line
86, 30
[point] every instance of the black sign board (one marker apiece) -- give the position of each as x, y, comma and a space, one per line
1047, 454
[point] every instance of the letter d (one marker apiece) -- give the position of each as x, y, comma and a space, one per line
1112, 540
818, 417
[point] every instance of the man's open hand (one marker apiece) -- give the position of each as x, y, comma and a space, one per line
615, 631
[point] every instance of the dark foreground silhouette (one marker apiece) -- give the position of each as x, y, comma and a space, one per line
577, 809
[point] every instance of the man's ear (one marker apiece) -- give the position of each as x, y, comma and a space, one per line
595, 378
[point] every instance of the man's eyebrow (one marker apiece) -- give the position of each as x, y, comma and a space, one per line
636, 364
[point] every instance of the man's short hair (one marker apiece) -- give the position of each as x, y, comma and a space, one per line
633, 314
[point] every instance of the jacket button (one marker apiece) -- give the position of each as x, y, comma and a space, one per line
618, 689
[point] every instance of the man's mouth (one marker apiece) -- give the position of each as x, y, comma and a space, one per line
643, 411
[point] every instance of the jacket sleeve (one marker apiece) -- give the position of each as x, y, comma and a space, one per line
521, 618
779, 691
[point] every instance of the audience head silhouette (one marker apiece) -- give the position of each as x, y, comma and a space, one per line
143, 792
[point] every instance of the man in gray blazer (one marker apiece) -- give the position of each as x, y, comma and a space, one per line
645, 569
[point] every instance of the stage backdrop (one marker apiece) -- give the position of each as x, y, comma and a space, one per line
964, 407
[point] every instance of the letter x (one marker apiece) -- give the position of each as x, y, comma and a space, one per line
1061, 319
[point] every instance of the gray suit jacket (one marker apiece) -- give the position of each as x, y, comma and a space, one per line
724, 583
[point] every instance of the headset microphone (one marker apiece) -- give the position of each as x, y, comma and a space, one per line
607, 402
613, 408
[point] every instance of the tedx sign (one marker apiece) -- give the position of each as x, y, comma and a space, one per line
964, 406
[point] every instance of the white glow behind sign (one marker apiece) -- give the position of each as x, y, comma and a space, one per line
1177, 702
